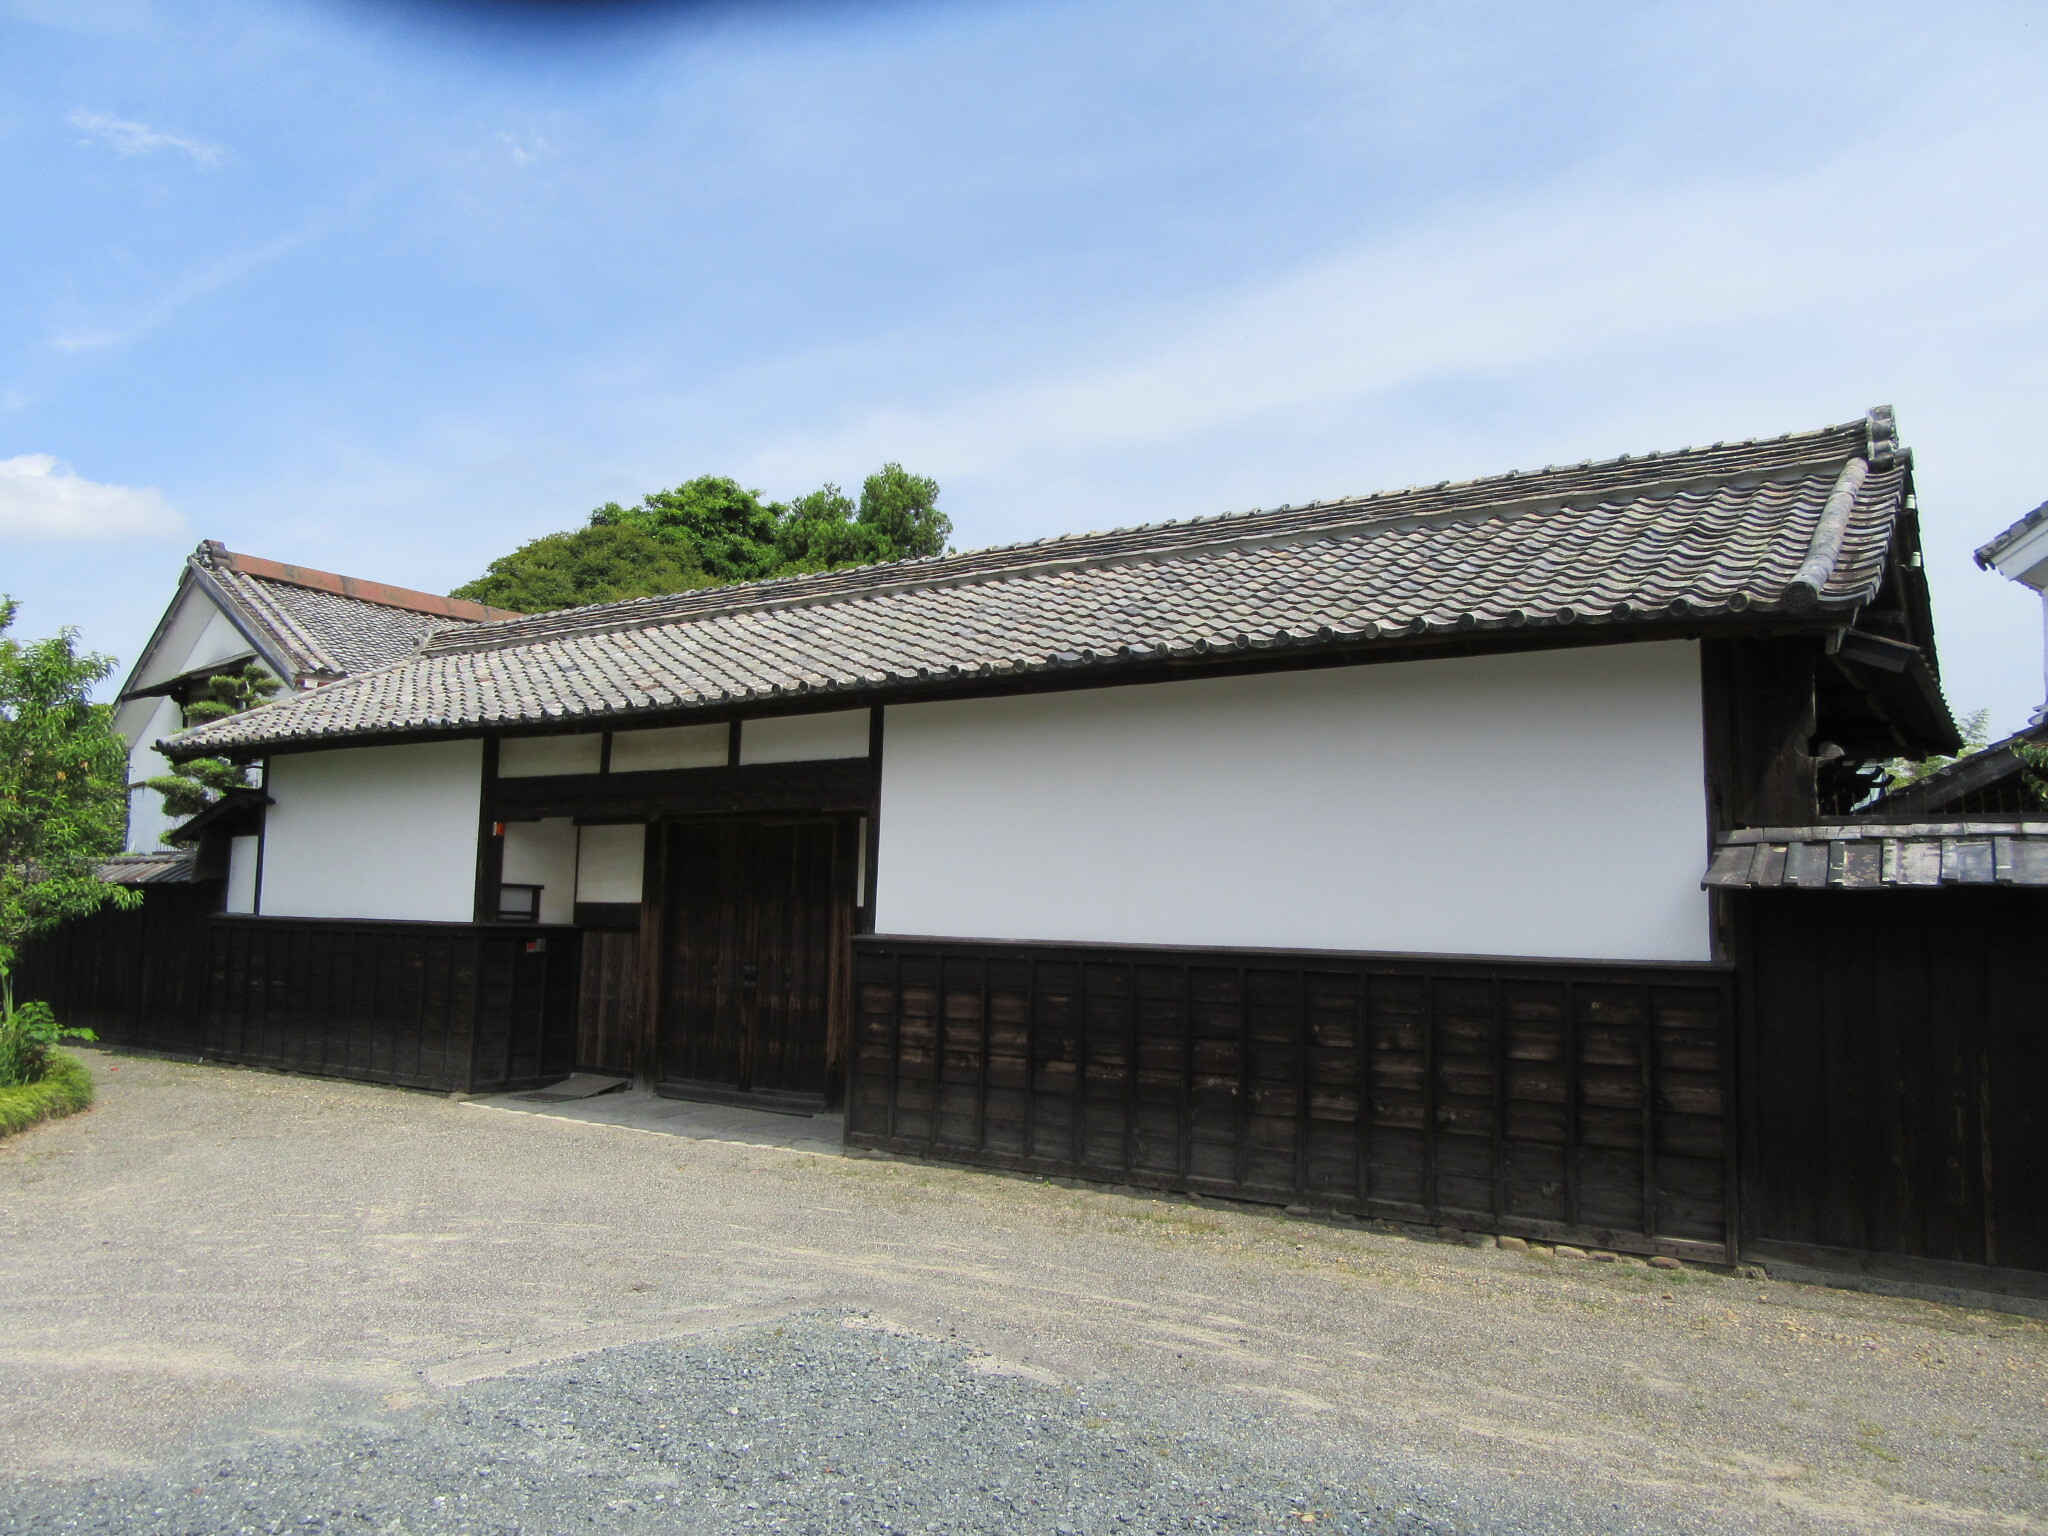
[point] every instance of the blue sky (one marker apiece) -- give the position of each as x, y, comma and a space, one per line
388, 289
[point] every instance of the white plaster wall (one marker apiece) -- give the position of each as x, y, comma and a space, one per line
196, 634
1546, 804
219, 641
245, 856
675, 746
147, 822
609, 863
532, 757
543, 853
803, 738
386, 832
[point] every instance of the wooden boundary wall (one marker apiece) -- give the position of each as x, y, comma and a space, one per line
454, 1006
457, 1007
1572, 1102
1888, 1071
1895, 1084
134, 978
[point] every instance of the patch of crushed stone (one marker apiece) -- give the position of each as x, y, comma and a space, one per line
809, 1427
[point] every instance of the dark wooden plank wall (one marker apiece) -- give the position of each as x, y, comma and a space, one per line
1895, 1056
450, 1006
135, 978
1576, 1102
608, 1017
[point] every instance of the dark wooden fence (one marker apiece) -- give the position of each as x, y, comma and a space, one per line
134, 978
1574, 1102
1895, 1083
1894, 1048
454, 1006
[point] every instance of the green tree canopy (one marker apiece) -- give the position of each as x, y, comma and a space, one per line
898, 518
2032, 758
711, 531
600, 564
63, 791
901, 513
730, 529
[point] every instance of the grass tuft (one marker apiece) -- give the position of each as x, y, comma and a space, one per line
64, 1089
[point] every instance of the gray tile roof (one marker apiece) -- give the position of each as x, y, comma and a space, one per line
1882, 857
325, 634
314, 626
1798, 524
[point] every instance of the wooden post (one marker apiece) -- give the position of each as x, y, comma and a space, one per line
490, 848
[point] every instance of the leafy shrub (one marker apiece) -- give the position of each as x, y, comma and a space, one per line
64, 1089
28, 1035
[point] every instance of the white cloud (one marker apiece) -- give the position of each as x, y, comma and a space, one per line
42, 497
126, 137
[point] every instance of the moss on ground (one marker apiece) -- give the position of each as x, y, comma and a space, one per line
64, 1089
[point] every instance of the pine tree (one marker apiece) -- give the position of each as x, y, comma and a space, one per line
191, 787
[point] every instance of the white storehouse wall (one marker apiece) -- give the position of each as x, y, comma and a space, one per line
245, 867
543, 853
805, 738
674, 746
147, 822
197, 634
609, 862
527, 757
1540, 804
380, 832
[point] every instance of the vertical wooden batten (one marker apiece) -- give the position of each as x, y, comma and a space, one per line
654, 878
872, 852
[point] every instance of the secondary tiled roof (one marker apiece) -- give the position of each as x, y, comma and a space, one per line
328, 626
1882, 857
167, 868
325, 635
1798, 524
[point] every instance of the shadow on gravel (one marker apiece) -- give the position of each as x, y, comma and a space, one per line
810, 1425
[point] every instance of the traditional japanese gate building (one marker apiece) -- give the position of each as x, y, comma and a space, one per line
1348, 854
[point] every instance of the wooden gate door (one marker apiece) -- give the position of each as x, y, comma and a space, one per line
1893, 1051
756, 919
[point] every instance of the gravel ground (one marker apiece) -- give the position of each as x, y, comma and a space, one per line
230, 1272
812, 1426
